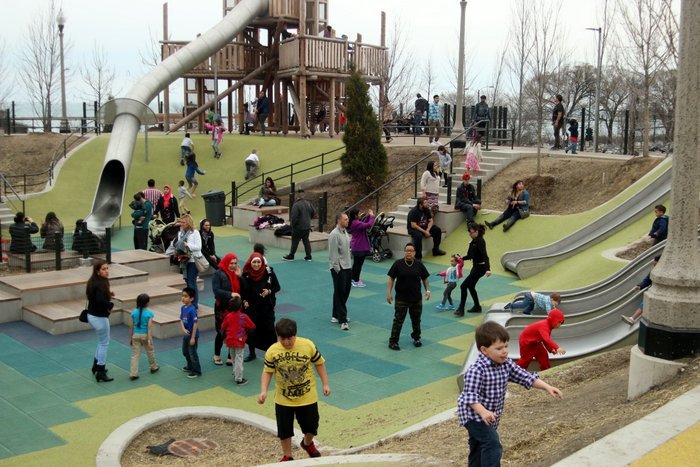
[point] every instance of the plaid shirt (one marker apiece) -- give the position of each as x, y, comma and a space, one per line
485, 383
542, 301
434, 111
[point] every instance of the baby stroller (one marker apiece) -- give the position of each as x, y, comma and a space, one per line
162, 234
378, 232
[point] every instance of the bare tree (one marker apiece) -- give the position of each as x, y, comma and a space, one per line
40, 62
151, 57
546, 39
574, 83
497, 78
519, 54
98, 75
400, 80
614, 93
647, 54
4, 76
429, 77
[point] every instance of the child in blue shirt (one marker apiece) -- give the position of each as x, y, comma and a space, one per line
190, 329
452, 276
141, 336
529, 301
480, 405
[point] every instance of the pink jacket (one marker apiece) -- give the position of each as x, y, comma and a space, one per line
217, 131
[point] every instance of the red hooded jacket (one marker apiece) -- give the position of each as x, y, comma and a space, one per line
540, 331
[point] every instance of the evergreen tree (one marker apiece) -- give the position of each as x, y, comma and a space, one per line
364, 160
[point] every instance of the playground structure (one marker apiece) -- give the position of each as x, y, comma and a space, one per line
288, 67
300, 66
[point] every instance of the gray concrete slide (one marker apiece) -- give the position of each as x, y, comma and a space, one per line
527, 263
109, 196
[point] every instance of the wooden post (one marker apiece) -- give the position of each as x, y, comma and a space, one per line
230, 107
302, 105
331, 110
284, 108
383, 98
314, 26
241, 113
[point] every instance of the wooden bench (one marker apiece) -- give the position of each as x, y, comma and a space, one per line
44, 259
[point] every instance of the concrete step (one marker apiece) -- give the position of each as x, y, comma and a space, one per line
245, 214
68, 284
318, 240
166, 319
62, 317
147, 261
10, 307
125, 295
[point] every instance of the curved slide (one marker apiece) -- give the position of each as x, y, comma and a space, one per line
526, 263
109, 196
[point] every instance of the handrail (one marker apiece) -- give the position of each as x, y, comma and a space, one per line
236, 191
413, 167
6, 184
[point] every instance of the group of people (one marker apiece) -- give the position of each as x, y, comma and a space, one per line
53, 233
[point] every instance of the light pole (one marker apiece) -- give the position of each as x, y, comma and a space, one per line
597, 90
61, 21
458, 127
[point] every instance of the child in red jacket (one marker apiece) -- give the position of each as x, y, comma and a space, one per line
535, 341
236, 326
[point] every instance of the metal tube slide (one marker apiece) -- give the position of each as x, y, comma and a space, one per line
109, 196
527, 263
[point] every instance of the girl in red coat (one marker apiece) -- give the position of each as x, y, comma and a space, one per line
535, 341
236, 326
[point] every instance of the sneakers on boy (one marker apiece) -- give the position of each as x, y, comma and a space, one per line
417, 342
628, 320
344, 327
359, 284
288, 258
193, 375
241, 382
308, 259
440, 307
450, 307
310, 449
286, 459
508, 306
334, 320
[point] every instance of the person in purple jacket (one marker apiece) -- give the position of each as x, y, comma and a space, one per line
359, 242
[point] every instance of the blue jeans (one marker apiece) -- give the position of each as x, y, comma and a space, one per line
485, 449
191, 275
101, 327
190, 354
527, 303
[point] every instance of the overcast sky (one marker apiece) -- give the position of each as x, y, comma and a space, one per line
125, 27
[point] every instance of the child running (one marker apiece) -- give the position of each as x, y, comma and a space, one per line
291, 360
452, 276
530, 301
186, 148
252, 163
182, 194
480, 405
190, 330
646, 283
192, 167
535, 341
217, 135
141, 336
236, 326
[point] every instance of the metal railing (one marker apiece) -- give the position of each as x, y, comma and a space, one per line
289, 174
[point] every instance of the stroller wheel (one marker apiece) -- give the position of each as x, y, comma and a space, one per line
376, 257
388, 253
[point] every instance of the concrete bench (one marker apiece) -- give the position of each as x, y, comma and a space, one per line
244, 215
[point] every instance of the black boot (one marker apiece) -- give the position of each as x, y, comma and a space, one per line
101, 374
94, 366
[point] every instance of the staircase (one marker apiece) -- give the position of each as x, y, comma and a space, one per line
7, 216
53, 300
448, 218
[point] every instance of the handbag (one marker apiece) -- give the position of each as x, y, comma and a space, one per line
83, 318
201, 263
524, 212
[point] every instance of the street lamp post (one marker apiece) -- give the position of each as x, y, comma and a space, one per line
458, 127
61, 21
597, 90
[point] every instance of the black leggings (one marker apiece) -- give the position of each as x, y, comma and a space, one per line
469, 283
357, 261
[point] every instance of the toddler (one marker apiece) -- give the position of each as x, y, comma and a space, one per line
452, 276
236, 327
573, 136
141, 336
444, 160
182, 194
252, 164
217, 135
535, 341
190, 331
472, 153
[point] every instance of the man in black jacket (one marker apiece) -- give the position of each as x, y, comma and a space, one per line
300, 218
467, 202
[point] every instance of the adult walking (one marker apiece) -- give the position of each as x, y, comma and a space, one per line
420, 225
480, 267
300, 219
190, 242
167, 207
434, 121
421, 107
557, 120
517, 207
263, 109
99, 307
260, 286
481, 115
467, 201
339, 264
225, 284
359, 242
407, 273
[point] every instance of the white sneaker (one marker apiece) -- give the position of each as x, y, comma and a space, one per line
334, 320
628, 320
344, 327
358, 284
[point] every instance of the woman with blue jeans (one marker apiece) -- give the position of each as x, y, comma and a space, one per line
517, 207
99, 307
189, 239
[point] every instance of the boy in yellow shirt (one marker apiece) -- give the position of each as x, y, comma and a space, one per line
290, 359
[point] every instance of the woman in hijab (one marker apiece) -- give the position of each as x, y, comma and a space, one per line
260, 285
167, 206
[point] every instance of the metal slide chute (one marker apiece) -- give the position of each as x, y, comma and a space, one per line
109, 195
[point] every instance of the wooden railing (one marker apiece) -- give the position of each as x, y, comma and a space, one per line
234, 58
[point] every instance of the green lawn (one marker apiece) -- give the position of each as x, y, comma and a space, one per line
71, 197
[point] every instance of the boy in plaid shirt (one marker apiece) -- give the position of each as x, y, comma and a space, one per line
480, 405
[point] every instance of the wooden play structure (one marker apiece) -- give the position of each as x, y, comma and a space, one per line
293, 56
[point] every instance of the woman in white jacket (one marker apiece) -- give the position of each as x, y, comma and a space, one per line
430, 186
189, 237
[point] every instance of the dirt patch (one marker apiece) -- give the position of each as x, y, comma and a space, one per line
535, 429
28, 154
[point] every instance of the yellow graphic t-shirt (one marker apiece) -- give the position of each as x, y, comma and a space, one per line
295, 382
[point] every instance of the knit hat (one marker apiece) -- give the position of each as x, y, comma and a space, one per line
466, 176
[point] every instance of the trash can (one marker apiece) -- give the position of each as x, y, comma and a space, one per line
215, 207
